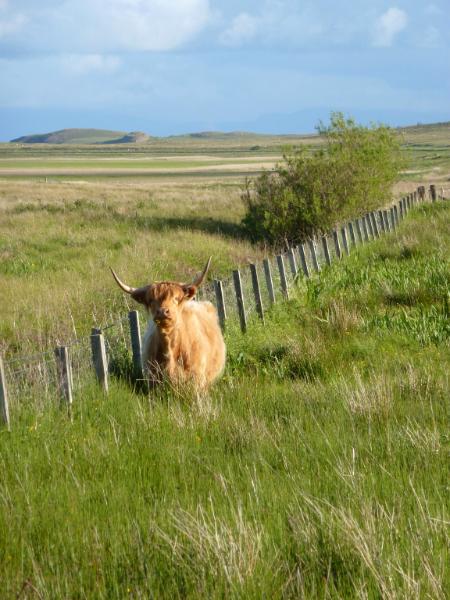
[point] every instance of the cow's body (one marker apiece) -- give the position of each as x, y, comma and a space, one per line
193, 350
183, 341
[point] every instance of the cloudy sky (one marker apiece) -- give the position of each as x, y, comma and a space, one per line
174, 66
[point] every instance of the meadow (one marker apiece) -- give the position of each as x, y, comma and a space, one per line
315, 468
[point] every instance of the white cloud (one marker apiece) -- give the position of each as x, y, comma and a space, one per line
150, 24
242, 29
388, 25
79, 64
276, 22
104, 26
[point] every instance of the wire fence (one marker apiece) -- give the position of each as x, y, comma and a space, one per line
114, 349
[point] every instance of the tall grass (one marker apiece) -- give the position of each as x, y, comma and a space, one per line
57, 242
316, 467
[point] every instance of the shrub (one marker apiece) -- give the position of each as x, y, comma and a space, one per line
350, 172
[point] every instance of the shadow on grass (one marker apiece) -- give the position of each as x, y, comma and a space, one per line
203, 224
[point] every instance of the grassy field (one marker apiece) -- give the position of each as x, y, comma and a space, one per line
316, 468
58, 240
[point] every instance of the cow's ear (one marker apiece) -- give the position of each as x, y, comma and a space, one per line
189, 291
140, 294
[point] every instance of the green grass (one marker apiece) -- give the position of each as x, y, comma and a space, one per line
316, 468
58, 240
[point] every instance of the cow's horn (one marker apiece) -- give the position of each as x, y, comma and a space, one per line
199, 279
126, 288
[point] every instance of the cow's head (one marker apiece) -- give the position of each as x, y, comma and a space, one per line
165, 299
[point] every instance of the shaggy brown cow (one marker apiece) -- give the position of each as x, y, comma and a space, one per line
183, 340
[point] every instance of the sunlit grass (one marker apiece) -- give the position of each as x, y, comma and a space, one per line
315, 468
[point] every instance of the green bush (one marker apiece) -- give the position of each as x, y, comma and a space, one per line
350, 172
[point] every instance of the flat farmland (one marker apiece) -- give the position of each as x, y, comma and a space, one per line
126, 166
210, 155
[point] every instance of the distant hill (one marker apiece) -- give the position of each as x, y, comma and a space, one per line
427, 133
412, 134
426, 126
83, 136
134, 137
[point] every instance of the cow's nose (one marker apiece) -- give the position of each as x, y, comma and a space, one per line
162, 313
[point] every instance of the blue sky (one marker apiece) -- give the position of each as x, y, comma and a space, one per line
174, 66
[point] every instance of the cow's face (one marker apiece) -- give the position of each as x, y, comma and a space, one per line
164, 300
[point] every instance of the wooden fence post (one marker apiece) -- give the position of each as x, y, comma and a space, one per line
64, 375
382, 225
352, 233
257, 292
240, 300
4, 406
337, 246
400, 208
301, 252
344, 240
312, 250
283, 280
358, 231
292, 262
397, 220
366, 233
220, 301
373, 220
369, 225
99, 359
392, 212
386, 220
433, 192
326, 252
269, 281
135, 335
421, 192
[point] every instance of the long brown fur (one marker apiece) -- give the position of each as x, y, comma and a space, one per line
183, 341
